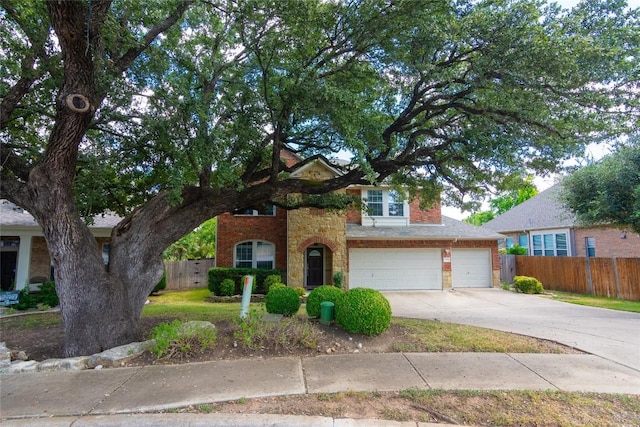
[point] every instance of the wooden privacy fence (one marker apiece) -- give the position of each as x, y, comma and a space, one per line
608, 277
188, 274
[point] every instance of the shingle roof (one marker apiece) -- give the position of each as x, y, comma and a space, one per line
540, 212
450, 229
12, 215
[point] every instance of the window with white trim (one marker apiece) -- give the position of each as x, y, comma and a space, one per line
550, 244
523, 240
255, 254
384, 203
265, 209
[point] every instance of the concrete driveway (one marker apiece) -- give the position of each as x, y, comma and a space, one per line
610, 334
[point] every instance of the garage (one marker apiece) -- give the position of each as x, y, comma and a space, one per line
395, 269
471, 268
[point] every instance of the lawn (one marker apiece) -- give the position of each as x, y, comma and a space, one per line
594, 301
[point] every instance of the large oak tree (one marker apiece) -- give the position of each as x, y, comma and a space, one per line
173, 112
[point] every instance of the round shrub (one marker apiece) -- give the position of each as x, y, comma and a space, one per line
320, 294
300, 291
363, 311
282, 300
527, 285
276, 286
271, 280
227, 287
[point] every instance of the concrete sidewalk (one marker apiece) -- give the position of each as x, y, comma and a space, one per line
151, 388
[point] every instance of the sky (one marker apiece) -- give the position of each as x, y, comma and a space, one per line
542, 183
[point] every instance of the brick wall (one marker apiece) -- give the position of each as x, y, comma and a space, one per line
233, 229
427, 216
608, 242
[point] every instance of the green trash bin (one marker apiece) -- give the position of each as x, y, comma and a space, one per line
326, 312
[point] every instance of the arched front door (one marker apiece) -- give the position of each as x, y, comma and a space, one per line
315, 267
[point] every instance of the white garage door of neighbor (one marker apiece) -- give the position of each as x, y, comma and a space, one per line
395, 269
471, 268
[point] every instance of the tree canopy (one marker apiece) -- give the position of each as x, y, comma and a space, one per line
172, 112
524, 190
607, 192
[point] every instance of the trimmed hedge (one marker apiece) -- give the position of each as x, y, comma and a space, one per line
282, 300
216, 275
363, 311
527, 285
320, 294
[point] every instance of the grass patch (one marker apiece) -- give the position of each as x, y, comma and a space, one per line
434, 336
190, 305
595, 301
33, 320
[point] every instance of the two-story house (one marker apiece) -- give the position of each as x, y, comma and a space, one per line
391, 245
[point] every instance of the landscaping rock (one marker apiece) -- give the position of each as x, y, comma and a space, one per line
117, 355
22, 366
5, 356
68, 364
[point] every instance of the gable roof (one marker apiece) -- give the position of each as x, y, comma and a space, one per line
14, 216
543, 211
449, 229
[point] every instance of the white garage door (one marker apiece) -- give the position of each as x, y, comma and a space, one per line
471, 268
395, 269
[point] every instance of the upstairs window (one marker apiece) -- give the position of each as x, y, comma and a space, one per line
265, 209
385, 203
374, 203
255, 254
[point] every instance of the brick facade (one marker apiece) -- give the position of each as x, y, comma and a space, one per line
609, 243
233, 229
427, 216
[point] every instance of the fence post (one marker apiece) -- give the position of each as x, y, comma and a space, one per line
589, 279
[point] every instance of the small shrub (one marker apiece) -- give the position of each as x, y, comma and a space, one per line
320, 294
527, 285
276, 286
518, 250
176, 338
506, 286
338, 279
26, 300
162, 284
282, 300
270, 281
363, 311
47, 294
227, 287
300, 291
256, 334
216, 275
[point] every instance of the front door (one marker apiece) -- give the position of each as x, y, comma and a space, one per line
8, 269
315, 267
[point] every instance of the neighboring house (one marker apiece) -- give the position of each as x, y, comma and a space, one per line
394, 245
546, 228
24, 257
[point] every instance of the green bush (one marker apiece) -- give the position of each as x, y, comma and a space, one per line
47, 295
363, 311
300, 291
271, 280
255, 333
338, 279
518, 250
227, 287
162, 284
320, 294
527, 285
216, 275
182, 339
276, 286
282, 300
